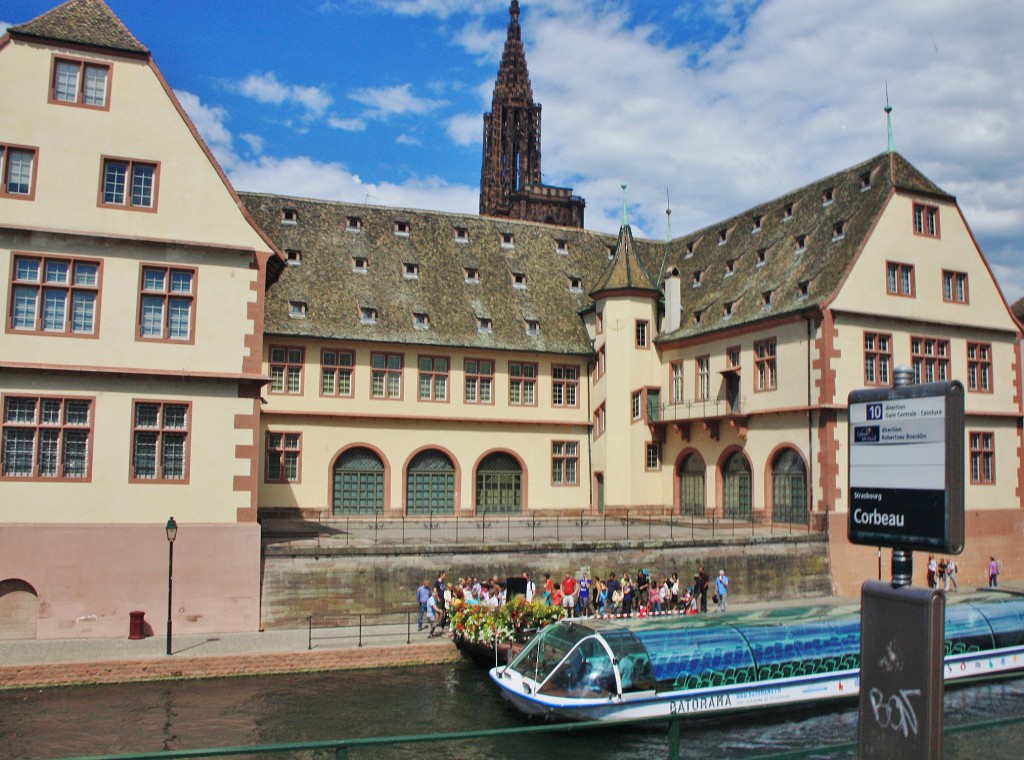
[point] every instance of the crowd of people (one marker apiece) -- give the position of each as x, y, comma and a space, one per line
642, 594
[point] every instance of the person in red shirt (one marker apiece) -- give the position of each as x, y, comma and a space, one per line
569, 595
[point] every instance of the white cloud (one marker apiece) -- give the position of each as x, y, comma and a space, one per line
255, 142
404, 139
266, 88
348, 125
209, 121
465, 129
398, 99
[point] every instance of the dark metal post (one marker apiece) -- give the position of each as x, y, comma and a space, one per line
172, 532
310, 643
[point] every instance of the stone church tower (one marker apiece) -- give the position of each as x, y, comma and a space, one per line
510, 178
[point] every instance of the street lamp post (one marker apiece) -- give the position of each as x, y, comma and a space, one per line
172, 533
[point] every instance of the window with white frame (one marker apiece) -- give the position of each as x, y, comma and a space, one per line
652, 457
641, 330
433, 378
166, 303
926, 220
17, 172
479, 375
676, 373
54, 296
130, 184
336, 372
47, 438
286, 367
522, 384
565, 463
983, 463
765, 369
80, 83
954, 287
877, 358
565, 381
283, 455
160, 441
635, 405
386, 375
930, 359
979, 367
703, 377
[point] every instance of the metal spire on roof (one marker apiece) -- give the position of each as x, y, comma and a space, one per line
668, 218
888, 120
625, 217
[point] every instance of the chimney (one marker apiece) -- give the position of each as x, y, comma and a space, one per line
672, 301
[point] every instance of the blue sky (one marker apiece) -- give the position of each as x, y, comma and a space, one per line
715, 104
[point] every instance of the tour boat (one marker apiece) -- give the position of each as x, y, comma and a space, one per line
659, 667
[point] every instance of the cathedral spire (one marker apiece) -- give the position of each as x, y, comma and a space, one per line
511, 183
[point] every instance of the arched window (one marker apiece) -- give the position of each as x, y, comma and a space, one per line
789, 488
430, 484
691, 486
19, 609
736, 488
358, 483
499, 485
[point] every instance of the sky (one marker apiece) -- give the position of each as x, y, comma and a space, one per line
709, 106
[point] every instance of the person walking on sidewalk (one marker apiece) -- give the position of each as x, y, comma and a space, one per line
422, 596
722, 590
994, 566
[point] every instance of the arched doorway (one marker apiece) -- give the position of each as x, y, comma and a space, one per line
19, 610
430, 484
736, 496
692, 497
789, 488
358, 483
499, 484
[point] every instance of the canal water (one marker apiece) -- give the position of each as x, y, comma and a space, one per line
88, 720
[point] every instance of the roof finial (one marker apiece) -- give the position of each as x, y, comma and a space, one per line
625, 217
513, 11
888, 119
668, 217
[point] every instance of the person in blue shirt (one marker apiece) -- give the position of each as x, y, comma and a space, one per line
423, 596
722, 589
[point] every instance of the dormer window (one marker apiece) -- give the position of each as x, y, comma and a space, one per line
420, 320
353, 224
727, 309
402, 229
838, 231
575, 284
762, 257
294, 256
766, 299
368, 315
562, 246
730, 267
472, 275
508, 240
690, 248
802, 288
697, 275
723, 236
483, 324
787, 212
532, 327
865, 181
697, 316
360, 264
461, 234
298, 309
828, 196
611, 252
757, 223
519, 280
800, 244
410, 270
289, 216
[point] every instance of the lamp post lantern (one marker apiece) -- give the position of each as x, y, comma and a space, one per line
172, 533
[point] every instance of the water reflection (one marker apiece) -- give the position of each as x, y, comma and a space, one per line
91, 720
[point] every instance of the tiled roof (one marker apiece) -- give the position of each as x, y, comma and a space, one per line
461, 269
766, 262
85, 22
792, 262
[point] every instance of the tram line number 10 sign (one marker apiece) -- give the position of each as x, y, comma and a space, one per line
906, 476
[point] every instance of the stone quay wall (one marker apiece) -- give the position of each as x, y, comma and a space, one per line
332, 587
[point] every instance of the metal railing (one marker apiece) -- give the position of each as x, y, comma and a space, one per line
341, 747
334, 534
379, 629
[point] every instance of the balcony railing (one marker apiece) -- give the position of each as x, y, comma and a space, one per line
686, 411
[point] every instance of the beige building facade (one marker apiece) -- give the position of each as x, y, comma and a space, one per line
132, 285
172, 348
